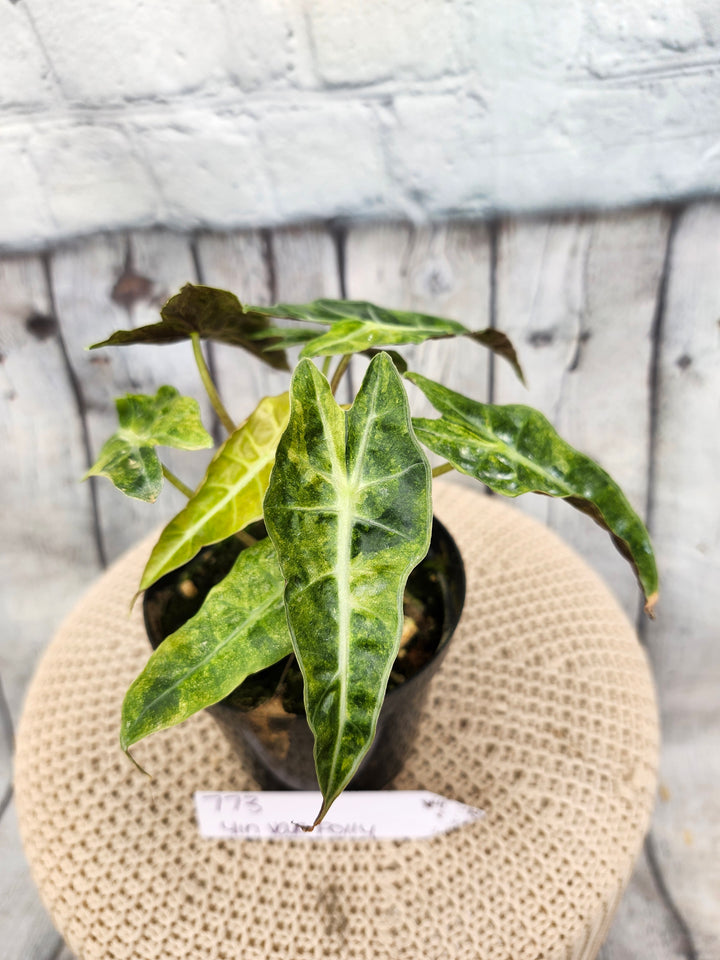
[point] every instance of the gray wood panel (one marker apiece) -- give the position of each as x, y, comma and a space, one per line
442, 270
615, 319
685, 522
114, 283
579, 296
49, 550
239, 262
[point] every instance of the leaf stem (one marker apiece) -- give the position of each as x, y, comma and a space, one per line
326, 366
441, 469
247, 539
176, 481
339, 371
212, 393
280, 688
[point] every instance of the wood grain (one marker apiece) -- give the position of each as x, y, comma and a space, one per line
305, 267
643, 928
578, 296
49, 552
442, 270
26, 929
86, 277
290, 265
627, 374
239, 262
685, 524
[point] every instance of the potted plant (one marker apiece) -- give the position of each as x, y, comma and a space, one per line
345, 496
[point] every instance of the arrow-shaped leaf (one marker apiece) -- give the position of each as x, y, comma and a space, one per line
348, 508
240, 629
513, 449
128, 458
357, 326
214, 315
231, 493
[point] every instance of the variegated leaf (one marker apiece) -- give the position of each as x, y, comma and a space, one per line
348, 508
240, 629
513, 449
231, 494
128, 458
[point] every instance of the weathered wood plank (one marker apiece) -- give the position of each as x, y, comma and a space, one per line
440, 269
643, 929
99, 286
7, 745
49, 552
305, 267
685, 524
25, 927
293, 264
579, 296
239, 262
65, 954
556, 281
305, 264
166, 260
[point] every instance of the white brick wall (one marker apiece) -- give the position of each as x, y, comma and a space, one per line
232, 112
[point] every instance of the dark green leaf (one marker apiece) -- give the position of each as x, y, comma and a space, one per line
500, 344
284, 338
231, 493
513, 449
399, 361
211, 313
128, 458
240, 629
348, 508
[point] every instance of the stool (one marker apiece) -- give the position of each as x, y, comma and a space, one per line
543, 715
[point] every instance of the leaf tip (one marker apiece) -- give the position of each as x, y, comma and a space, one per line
328, 801
134, 598
650, 604
125, 745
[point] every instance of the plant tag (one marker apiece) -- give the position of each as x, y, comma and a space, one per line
356, 815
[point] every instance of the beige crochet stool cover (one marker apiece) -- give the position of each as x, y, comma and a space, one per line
543, 715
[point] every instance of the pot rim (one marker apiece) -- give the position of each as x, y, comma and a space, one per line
453, 604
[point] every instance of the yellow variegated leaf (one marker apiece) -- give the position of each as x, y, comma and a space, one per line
230, 495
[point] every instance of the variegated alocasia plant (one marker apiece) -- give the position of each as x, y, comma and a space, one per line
345, 495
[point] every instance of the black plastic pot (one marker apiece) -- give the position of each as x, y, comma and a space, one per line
276, 745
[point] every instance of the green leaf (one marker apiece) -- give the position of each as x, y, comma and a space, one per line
357, 326
128, 458
513, 449
214, 315
231, 493
240, 629
349, 511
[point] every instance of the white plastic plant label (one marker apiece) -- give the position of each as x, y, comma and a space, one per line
356, 815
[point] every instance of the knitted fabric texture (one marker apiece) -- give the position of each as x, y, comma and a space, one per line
543, 715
